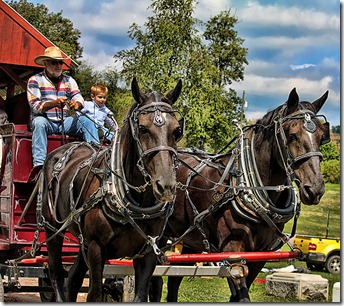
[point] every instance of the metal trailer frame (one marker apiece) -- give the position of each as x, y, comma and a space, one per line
121, 272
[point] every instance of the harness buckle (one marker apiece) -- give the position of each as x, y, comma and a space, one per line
152, 241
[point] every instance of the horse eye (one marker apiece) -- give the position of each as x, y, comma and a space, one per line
142, 129
178, 133
292, 137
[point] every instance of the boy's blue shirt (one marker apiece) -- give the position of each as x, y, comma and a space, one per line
99, 114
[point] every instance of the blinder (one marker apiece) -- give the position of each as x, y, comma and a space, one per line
326, 137
180, 133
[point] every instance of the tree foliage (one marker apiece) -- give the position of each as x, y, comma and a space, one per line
331, 171
171, 46
330, 151
330, 165
336, 129
54, 26
118, 99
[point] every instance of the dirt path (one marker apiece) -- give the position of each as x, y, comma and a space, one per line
28, 297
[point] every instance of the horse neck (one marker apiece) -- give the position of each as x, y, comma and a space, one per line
266, 156
133, 176
129, 159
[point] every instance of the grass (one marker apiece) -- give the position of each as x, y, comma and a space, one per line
215, 289
312, 221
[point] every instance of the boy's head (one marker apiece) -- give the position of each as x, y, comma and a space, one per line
98, 93
98, 88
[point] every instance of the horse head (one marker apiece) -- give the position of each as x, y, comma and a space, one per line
301, 134
155, 129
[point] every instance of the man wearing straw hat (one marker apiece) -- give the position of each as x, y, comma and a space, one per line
50, 94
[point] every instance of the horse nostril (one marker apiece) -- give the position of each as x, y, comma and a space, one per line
160, 187
165, 188
308, 190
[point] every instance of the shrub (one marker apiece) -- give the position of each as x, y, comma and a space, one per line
331, 171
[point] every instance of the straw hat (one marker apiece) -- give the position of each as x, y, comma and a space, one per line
51, 53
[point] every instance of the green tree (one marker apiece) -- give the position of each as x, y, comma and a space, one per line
330, 151
56, 28
336, 129
171, 47
330, 165
226, 49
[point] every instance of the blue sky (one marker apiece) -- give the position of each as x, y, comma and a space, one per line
291, 43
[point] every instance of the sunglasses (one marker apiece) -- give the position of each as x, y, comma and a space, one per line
56, 62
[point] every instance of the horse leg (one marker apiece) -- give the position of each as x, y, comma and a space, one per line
96, 262
254, 268
155, 289
56, 271
76, 277
238, 289
144, 268
173, 284
237, 283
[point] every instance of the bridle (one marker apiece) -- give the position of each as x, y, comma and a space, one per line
287, 157
158, 108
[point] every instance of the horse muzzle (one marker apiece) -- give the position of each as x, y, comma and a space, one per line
311, 195
164, 191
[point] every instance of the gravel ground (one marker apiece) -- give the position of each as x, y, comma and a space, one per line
26, 297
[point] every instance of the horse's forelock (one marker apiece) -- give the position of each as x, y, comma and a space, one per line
308, 105
155, 96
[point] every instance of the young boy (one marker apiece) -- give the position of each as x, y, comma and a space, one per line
98, 112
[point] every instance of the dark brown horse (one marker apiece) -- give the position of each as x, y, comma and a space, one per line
115, 200
240, 201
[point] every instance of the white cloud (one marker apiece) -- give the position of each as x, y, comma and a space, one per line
254, 115
300, 67
206, 9
270, 87
277, 15
102, 17
330, 63
289, 46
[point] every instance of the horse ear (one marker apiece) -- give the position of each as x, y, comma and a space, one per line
138, 95
173, 95
293, 101
320, 102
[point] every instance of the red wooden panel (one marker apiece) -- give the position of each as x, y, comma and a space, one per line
6, 44
20, 42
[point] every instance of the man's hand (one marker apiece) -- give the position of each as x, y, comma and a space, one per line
75, 104
61, 102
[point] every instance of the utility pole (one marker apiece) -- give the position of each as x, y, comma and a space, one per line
242, 108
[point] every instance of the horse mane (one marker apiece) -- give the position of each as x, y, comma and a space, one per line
125, 132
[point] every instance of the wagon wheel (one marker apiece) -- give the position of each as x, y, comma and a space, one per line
46, 296
2, 296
